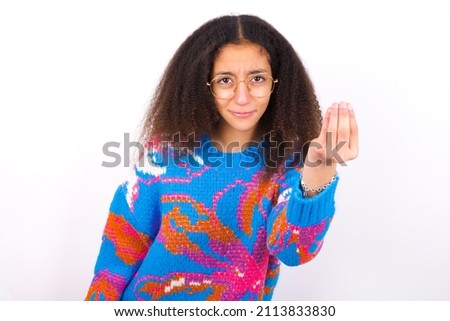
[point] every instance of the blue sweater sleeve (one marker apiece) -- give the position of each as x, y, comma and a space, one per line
132, 224
297, 224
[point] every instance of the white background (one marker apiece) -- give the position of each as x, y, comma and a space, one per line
75, 75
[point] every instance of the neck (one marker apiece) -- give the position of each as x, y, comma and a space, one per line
231, 140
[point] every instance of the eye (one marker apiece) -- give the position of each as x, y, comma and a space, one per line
224, 81
258, 79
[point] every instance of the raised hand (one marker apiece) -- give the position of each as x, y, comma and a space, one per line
337, 143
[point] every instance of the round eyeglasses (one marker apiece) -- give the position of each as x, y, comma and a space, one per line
259, 85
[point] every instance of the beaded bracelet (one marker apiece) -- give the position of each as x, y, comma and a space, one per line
307, 189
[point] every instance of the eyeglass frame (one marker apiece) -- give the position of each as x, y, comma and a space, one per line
209, 84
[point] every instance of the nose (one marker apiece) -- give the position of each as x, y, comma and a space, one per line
242, 93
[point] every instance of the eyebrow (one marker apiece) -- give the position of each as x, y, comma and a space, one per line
252, 72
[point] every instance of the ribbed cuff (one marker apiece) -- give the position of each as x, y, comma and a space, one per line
306, 211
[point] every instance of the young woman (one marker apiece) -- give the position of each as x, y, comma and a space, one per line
239, 173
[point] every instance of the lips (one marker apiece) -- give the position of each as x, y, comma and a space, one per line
242, 114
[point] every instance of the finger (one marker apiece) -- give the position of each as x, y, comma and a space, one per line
333, 124
343, 124
323, 130
354, 135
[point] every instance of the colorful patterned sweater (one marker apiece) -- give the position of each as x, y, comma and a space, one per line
208, 226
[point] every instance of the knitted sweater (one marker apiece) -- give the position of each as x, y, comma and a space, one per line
206, 226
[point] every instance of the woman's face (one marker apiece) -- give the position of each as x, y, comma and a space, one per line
241, 64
